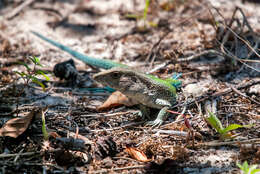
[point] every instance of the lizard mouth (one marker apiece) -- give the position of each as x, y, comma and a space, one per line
99, 78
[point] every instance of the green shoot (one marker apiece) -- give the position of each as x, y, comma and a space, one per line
31, 74
44, 130
217, 125
143, 17
147, 3
248, 169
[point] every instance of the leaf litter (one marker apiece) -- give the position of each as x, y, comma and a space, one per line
215, 49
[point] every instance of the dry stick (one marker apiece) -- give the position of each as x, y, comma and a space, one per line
197, 56
238, 59
247, 24
234, 143
233, 56
169, 132
224, 50
252, 49
244, 95
20, 154
105, 115
217, 94
118, 169
18, 9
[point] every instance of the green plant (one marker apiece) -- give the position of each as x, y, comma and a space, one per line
217, 125
147, 4
143, 17
30, 75
44, 129
248, 169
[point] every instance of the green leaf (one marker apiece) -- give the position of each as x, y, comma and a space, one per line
43, 74
231, 127
22, 74
32, 59
239, 165
255, 171
215, 122
248, 169
35, 80
35, 60
24, 64
243, 167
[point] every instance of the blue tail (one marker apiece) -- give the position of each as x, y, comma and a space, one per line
100, 63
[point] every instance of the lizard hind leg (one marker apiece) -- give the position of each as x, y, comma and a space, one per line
162, 115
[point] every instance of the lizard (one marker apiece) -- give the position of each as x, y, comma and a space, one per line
148, 90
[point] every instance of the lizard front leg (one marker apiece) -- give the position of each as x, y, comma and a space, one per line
162, 115
144, 112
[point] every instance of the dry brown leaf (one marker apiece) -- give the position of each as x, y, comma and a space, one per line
116, 99
54, 135
16, 126
137, 154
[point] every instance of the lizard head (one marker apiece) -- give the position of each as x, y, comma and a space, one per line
121, 79
146, 89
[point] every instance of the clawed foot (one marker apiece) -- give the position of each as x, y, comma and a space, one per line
155, 123
160, 118
140, 114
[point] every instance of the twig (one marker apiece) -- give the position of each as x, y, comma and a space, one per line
125, 158
20, 154
236, 58
244, 95
104, 115
121, 127
252, 49
234, 143
226, 36
18, 9
196, 56
158, 67
211, 51
170, 132
118, 169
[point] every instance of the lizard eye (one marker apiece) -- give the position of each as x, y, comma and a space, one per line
116, 75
